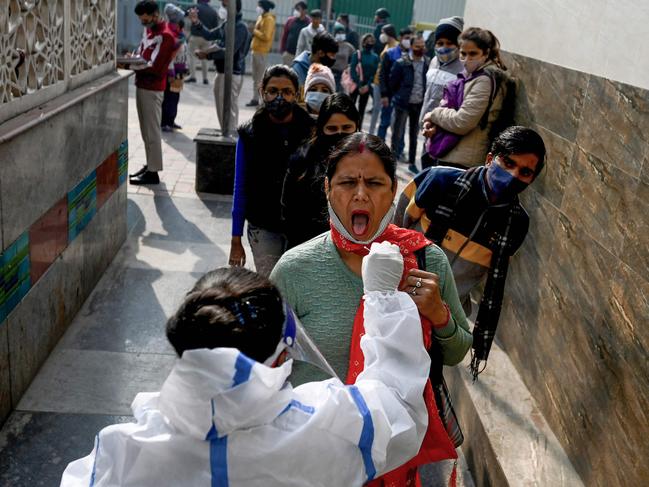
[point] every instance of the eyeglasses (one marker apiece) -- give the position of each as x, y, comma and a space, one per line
286, 93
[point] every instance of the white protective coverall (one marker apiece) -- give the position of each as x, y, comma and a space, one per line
222, 419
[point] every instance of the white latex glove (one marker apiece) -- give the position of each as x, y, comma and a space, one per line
382, 268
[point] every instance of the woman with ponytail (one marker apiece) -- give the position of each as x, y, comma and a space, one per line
461, 127
321, 279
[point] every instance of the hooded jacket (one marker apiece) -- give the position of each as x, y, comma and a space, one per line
224, 419
264, 34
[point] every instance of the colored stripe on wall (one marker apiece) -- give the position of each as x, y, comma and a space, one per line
24, 262
122, 162
14, 275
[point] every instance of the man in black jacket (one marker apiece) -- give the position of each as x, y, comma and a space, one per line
210, 19
216, 52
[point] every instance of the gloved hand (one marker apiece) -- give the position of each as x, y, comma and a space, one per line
382, 268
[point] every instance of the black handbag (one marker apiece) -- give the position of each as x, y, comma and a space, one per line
440, 391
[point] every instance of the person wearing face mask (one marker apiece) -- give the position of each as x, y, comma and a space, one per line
444, 68
263, 35
210, 19
304, 203
408, 82
460, 128
369, 62
228, 416
391, 56
352, 35
475, 216
216, 52
388, 37
318, 86
381, 19
343, 56
264, 147
321, 279
294, 25
157, 49
308, 33
323, 51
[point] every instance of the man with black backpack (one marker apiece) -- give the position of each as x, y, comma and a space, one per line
216, 52
475, 216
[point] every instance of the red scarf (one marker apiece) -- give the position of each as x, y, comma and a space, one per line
436, 445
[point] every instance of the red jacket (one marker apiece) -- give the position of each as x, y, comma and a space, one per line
157, 48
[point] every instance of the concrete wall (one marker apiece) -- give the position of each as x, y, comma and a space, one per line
601, 37
575, 321
62, 216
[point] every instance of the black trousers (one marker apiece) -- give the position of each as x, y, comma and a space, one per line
401, 115
169, 107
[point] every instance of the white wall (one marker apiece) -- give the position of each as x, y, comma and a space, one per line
603, 37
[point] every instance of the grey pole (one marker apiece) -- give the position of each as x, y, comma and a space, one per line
230, 28
328, 13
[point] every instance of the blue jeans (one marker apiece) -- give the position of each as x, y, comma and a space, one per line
267, 247
386, 121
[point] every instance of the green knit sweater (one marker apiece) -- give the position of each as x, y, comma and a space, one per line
325, 295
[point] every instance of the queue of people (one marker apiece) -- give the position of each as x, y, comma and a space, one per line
376, 286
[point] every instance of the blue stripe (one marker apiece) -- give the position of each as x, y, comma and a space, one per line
219, 461
243, 367
367, 434
298, 405
94, 465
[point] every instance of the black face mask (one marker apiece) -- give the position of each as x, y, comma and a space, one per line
327, 61
279, 107
330, 141
369, 47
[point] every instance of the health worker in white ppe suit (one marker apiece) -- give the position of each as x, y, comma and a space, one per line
226, 415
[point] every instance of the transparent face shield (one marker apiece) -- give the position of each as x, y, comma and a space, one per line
299, 345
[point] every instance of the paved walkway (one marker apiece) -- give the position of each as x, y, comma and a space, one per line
116, 345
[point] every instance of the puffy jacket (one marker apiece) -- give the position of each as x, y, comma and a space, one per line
224, 419
402, 79
264, 34
474, 145
437, 77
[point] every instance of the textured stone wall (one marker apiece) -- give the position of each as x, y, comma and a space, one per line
62, 219
576, 317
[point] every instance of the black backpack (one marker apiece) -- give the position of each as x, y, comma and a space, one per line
500, 80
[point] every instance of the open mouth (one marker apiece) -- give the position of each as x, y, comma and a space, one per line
360, 222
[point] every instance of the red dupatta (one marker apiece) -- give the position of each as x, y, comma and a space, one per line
436, 445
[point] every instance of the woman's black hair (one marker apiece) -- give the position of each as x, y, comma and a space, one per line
486, 42
520, 140
336, 103
358, 143
279, 71
367, 37
148, 7
229, 307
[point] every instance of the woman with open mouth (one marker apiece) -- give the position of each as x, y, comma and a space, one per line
321, 278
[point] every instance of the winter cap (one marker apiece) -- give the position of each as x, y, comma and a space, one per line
449, 28
320, 74
382, 13
173, 13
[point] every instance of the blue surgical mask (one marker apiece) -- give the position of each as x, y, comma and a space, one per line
502, 185
446, 54
314, 99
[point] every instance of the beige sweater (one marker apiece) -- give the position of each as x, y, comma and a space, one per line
474, 145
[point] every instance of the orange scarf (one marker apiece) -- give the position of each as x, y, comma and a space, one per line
436, 445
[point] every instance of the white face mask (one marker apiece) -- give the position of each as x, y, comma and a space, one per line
473, 65
314, 99
405, 43
223, 13
260, 10
383, 38
296, 13
340, 37
385, 221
